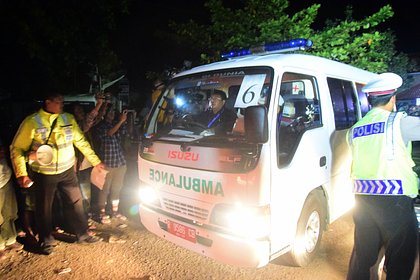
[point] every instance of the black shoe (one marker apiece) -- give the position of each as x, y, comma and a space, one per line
46, 249
88, 239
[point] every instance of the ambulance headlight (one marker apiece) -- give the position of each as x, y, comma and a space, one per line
148, 195
246, 221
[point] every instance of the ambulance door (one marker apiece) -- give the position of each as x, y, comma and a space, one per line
300, 155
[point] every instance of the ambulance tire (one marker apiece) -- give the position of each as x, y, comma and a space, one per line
309, 231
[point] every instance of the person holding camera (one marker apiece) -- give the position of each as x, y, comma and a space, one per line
51, 135
111, 132
86, 122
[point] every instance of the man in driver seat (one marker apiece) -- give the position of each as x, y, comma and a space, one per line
217, 118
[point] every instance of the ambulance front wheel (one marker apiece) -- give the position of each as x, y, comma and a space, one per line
309, 231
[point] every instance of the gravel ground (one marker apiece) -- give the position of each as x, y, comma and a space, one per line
133, 253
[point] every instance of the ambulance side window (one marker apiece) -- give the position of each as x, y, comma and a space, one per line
344, 103
298, 110
363, 100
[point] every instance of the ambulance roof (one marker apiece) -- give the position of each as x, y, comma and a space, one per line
303, 61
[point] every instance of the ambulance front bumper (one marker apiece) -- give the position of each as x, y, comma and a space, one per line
219, 246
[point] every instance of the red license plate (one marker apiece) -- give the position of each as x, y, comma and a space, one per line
182, 231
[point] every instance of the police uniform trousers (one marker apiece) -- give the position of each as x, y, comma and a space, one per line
66, 183
387, 222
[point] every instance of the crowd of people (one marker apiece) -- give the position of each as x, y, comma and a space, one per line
52, 156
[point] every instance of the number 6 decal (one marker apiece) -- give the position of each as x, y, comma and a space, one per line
250, 90
248, 95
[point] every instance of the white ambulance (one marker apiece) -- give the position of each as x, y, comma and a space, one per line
270, 185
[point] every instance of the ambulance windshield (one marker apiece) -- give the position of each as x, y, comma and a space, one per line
209, 104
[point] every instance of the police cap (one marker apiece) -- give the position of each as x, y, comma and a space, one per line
384, 84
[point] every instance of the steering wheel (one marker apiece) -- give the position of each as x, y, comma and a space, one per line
186, 121
192, 124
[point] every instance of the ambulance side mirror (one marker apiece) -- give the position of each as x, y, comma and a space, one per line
256, 124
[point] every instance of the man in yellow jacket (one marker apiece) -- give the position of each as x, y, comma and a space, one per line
44, 142
384, 184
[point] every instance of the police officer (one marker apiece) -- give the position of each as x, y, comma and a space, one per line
384, 184
50, 134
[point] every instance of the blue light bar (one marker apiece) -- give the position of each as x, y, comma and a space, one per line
284, 46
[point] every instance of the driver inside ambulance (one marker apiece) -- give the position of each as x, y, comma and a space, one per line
217, 118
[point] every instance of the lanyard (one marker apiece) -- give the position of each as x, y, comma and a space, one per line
215, 118
52, 127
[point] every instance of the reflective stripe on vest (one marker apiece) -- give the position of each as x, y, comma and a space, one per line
40, 125
390, 136
381, 187
65, 120
65, 145
53, 168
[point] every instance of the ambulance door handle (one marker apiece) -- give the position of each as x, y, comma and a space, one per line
322, 161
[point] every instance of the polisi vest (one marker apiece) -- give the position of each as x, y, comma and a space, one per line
382, 163
64, 129
34, 132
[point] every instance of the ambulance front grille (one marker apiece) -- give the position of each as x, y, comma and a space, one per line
189, 210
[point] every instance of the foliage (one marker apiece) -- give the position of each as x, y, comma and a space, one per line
361, 44
357, 42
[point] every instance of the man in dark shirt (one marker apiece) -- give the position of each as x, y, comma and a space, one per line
218, 119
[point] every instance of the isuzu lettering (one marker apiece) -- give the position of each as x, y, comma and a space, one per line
267, 186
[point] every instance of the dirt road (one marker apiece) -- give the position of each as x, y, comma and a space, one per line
133, 253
